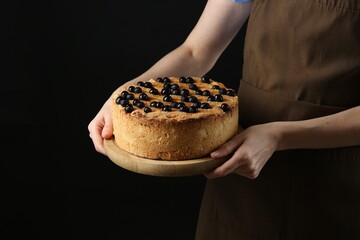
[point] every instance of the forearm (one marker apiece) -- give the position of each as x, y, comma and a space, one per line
337, 130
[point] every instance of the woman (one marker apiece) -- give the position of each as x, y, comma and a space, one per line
294, 170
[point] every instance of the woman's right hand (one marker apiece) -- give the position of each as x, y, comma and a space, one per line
101, 127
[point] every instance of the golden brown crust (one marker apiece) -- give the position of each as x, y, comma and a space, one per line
174, 135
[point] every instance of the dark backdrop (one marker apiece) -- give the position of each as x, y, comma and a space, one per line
60, 61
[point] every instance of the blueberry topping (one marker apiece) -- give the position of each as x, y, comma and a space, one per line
124, 94
174, 105
144, 97
124, 102
205, 79
184, 109
136, 101
206, 93
205, 106
219, 98
184, 92
147, 109
159, 79
211, 98
180, 104
131, 88
137, 90
130, 96
225, 107
189, 80
193, 86
129, 108
198, 92
175, 91
230, 92
215, 87
153, 104
140, 104
154, 91
196, 104
175, 86
140, 83
159, 105
167, 109
167, 85
184, 98
222, 91
193, 99
166, 91
182, 79
148, 85
193, 109
118, 100
166, 80
167, 98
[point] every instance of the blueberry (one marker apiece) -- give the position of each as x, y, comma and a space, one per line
124, 102
131, 88
225, 107
182, 79
193, 86
159, 105
148, 85
219, 98
167, 109
230, 92
193, 99
205, 79
184, 109
153, 104
189, 80
211, 98
205, 106
130, 96
159, 79
193, 109
206, 93
166, 80
174, 105
184, 92
147, 109
154, 91
167, 98
166, 91
198, 92
129, 108
124, 94
180, 104
184, 98
175, 86
167, 85
137, 90
118, 100
140, 83
175, 91
222, 91
140, 104
144, 97
215, 87
196, 104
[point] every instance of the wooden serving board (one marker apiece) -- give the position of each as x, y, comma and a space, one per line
162, 168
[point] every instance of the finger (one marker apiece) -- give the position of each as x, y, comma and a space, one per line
98, 141
107, 131
228, 167
228, 147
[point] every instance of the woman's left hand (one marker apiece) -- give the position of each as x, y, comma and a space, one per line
251, 149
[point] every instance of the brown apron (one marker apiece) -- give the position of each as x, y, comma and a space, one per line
301, 60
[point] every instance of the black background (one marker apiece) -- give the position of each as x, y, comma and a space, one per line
61, 61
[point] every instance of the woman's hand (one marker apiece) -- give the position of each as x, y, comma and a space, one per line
101, 127
251, 149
